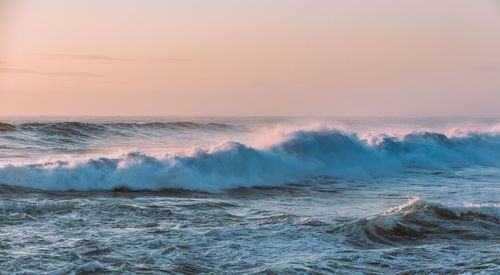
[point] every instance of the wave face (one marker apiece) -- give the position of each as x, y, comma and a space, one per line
301, 155
420, 221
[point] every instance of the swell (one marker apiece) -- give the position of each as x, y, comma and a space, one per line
173, 125
301, 155
4, 127
96, 126
75, 131
420, 221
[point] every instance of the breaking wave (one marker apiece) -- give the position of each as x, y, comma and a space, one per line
419, 220
301, 155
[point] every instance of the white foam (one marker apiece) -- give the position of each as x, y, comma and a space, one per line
295, 156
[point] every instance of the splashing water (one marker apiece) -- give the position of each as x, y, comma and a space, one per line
249, 195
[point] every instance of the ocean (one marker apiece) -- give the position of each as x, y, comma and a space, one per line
253, 195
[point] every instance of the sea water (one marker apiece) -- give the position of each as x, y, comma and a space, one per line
249, 195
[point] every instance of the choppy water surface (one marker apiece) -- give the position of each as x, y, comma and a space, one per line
252, 195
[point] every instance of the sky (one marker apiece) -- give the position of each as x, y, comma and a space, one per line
250, 58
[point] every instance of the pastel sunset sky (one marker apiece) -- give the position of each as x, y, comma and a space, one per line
237, 58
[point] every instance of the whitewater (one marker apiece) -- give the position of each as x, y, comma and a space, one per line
250, 195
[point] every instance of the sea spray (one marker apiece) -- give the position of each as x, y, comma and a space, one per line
301, 155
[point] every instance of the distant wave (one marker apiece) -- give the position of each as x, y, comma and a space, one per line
73, 132
92, 126
6, 127
70, 126
302, 155
419, 220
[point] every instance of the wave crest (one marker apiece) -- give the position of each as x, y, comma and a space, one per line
303, 154
419, 220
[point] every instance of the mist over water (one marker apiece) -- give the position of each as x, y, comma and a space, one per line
251, 195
